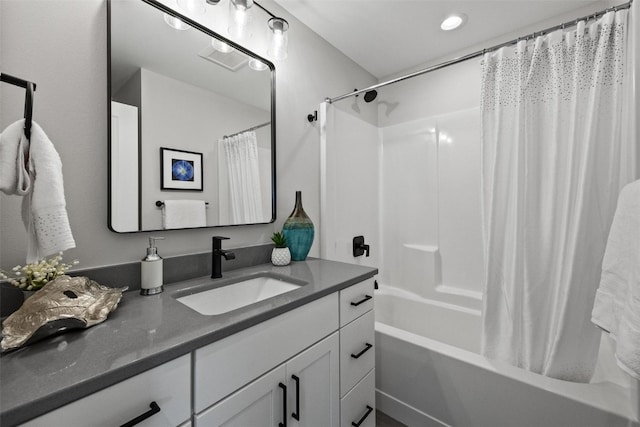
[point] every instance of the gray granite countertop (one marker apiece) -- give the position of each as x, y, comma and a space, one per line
144, 332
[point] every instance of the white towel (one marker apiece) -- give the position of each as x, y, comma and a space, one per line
44, 210
617, 304
184, 214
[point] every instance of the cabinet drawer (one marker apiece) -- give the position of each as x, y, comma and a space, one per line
168, 385
356, 300
359, 405
226, 365
357, 352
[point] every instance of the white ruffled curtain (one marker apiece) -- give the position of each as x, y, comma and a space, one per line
241, 153
555, 155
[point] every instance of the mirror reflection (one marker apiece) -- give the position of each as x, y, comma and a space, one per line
192, 134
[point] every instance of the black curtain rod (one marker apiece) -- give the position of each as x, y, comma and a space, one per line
248, 130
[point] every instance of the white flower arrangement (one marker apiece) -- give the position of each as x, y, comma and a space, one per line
35, 275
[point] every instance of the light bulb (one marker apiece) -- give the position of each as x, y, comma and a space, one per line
256, 64
175, 23
192, 6
221, 46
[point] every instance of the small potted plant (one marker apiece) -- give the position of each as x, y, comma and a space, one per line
280, 255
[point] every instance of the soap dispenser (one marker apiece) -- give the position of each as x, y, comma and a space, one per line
151, 270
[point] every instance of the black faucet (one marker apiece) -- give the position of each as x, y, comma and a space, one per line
216, 256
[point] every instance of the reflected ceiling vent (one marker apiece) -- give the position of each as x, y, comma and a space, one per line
231, 61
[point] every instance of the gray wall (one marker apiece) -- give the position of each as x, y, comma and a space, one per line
61, 45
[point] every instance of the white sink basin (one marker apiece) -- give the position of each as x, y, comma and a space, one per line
236, 295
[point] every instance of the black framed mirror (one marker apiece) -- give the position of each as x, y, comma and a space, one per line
191, 124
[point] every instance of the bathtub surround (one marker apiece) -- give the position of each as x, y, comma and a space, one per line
554, 158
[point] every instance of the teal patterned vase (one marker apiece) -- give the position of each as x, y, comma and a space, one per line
299, 231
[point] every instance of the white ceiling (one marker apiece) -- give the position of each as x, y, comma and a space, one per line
388, 36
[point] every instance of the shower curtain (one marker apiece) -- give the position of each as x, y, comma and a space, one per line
554, 158
241, 154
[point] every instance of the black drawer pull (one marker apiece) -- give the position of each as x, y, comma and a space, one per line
284, 405
357, 356
363, 300
364, 417
296, 414
137, 420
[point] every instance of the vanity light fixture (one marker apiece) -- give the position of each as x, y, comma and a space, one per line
240, 15
278, 38
453, 21
239, 18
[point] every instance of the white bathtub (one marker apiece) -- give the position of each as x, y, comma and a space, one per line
429, 373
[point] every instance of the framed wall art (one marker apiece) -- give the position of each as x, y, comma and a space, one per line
180, 170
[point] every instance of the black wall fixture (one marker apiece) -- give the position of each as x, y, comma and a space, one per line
359, 248
312, 117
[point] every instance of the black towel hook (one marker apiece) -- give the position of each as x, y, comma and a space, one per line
28, 110
28, 102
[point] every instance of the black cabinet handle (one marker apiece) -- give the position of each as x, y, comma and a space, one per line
296, 414
284, 405
364, 417
367, 347
140, 418
363, 300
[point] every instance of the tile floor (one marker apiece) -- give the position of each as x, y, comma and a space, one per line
384, 420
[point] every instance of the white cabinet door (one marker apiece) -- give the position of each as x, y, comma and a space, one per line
259, 404
313, 385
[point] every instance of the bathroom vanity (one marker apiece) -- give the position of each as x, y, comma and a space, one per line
304, 357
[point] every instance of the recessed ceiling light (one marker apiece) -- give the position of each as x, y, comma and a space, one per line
453, 21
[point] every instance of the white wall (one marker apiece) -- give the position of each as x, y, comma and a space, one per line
61, 45
351, 153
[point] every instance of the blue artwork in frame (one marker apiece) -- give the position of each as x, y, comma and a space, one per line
180, 170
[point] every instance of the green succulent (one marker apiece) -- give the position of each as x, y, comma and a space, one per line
279, 240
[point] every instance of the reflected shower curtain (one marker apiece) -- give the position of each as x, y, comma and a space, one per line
554, 158
241, 154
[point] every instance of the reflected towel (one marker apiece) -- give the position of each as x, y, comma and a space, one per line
184, 214
617, 304
37, 175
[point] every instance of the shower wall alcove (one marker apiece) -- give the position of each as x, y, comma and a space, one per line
410, 184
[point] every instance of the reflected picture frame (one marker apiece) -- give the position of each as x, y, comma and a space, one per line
180, 170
